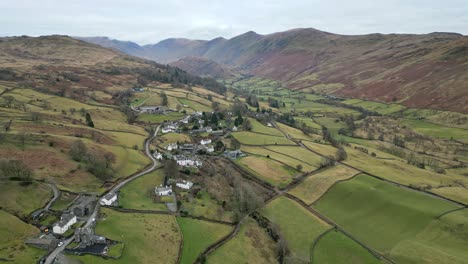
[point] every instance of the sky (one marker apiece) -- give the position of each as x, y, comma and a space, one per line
149, 21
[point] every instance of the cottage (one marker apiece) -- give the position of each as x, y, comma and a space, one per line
151, 109
234, 129
187, 161
138, 89
269, 124
233, 154
65, 222
205, 141
109, 198
163, 190
186, 185
157, 155
186, 120
208, 129
217, 132
83, 205
172, 146
209, 148
187, 147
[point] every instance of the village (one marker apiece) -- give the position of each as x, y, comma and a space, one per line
76, 223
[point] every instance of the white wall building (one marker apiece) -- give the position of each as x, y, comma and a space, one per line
163, 190
171, 146
109, 199
209, 149
187, 161
157, 155
205, 141
186, 185
66, 221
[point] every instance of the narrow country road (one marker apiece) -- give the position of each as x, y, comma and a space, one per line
56, 196
51, 257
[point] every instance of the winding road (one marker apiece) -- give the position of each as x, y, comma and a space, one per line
155, 164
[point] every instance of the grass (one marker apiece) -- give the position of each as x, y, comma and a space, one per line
260, 128
372, 209
138, 194
298, 153
268, 170
314, 186
196, 106
128, 139
153, 118
443, 241
13, 233
206, 206
323, 149
336, 248
63, 202
198, 235
250, 245
250, 138
299, 227
291, 161
23, 200
293, 132
128, 161
437, 131
147, 237
175, 137
309, 122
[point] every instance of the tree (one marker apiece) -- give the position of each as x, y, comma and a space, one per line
15, 169
78, 150
247, 125
164, 100
89, 121
214, 119
9, 100
170, 169
341, 154
97, 165
299, 167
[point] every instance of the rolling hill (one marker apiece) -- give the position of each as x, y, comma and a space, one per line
422, 71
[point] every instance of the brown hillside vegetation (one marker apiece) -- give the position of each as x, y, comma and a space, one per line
423, 71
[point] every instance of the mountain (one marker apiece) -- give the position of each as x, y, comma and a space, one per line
128, 47
203, 67
423, 71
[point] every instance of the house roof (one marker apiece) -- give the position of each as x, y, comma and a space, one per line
109, 196
64, 219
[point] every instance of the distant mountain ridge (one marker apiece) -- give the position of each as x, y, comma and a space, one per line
423, 71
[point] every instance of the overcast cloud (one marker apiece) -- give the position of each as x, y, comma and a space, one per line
149, 21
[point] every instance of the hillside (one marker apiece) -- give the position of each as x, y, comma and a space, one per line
203, 67
423, 71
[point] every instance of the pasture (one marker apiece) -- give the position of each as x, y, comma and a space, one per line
23, 200
299, 227
138, 194
251, 138
198, 235
268, 170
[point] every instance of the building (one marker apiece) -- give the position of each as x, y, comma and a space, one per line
157, 155
209, 148
163, 190
233, 154
186, 120
187, 147
83, 205
205, 141
171, 146
208, 129
217, 132
138, 89
151, 109
86, 237
187, 161
109, 199
269, 124
65, 222
234, 129
186, 185
47, 243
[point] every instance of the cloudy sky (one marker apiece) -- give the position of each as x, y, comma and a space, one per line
149, 21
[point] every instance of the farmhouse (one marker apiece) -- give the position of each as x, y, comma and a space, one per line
151, 109
217, 132
65, 222
208, 129
109, 199
186, 120
187, 161
234, 129
171, 146
138, 89
209, 148
186, 185
205, 141
163, 190
157, 155
83, 205
187, 147
269, 124
233, 154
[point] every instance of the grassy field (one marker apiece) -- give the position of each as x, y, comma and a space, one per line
250, 138
204, 205
63, 201
293, 132
260, 128
23, 200
371, 209
174, 137
442, 241
437, 131
13, 233
128, 161
308, 121
198, 235
129, 140
147, 237
268, 170
138, 194
298, 153
336, 248
251, 245
152, 118
299, 226
327, 150
291, 161
314, 186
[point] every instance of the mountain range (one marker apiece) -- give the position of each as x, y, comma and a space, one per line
422, 71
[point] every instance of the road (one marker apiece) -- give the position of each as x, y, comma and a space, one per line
56, 196
51, 257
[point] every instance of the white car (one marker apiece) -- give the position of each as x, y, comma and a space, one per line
60, 244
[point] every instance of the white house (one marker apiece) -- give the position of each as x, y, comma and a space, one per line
186, 120
209, 129
205, 141
157, 155
171, 146
163, 190
234, 129
269, 124
65, 222
209, 148
186, 185
187, 161
109, 198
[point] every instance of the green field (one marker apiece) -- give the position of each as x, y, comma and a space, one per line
437, 131
336, 248
23, 200
260, 128
138, 194
250, 245
206, 206
13, 233
372, 209
299, 153
298, 226
314, 186
250, 138
268, 170
153, 118
198, 235
147, 237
